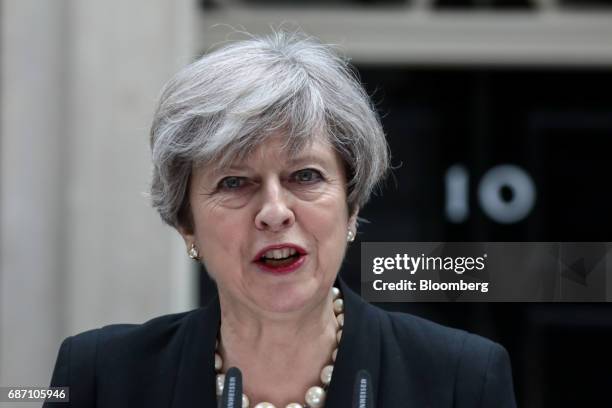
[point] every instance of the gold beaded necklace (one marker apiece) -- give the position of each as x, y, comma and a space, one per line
315, 396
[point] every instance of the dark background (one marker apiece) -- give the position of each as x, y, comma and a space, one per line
556, 125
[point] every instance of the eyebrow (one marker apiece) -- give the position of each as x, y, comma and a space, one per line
234, 167
307, 159
292, 161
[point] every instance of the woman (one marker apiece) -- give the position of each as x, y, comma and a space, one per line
264, 151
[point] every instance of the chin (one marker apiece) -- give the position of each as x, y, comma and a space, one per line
289, 299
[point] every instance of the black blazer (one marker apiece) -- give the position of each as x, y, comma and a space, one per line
168, 362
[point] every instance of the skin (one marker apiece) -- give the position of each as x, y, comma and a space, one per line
274, 327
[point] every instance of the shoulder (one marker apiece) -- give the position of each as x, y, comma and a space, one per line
476, 371
128, 347
427, 335
112, 357
130, 338
156, 332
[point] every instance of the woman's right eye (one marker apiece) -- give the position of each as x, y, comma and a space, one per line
231, 183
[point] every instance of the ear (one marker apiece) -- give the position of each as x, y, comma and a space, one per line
187, 234
352, 221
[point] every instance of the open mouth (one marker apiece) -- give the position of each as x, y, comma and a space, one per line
277, 263
281, 259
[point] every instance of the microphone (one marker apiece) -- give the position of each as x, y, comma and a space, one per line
232, 389
362, 391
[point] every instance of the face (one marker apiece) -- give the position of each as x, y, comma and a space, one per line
272, 229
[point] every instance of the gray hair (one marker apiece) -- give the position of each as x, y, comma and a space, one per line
226, 103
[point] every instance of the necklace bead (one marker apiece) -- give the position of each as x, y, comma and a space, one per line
218, 362
315, 397
264, 405
326, 374
338, 306
220, 383
335, 293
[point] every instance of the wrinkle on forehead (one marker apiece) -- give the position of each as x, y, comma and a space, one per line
277, 147
283, 150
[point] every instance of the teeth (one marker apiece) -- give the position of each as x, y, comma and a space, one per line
279, 253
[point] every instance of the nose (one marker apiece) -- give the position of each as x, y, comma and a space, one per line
274, 214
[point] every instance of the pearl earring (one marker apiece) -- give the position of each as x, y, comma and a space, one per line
193, 253
350, 237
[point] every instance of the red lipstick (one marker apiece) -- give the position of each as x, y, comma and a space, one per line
283, 265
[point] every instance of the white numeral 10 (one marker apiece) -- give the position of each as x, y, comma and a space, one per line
506, 193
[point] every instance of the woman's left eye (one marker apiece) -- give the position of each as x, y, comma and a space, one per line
307, 176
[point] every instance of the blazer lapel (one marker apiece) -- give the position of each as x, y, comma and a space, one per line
359, 349
195, 382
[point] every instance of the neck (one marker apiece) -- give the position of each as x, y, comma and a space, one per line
243, 325
270, 349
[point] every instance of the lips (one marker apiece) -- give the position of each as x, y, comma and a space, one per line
280, 258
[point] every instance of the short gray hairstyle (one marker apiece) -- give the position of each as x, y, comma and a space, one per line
226, 103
